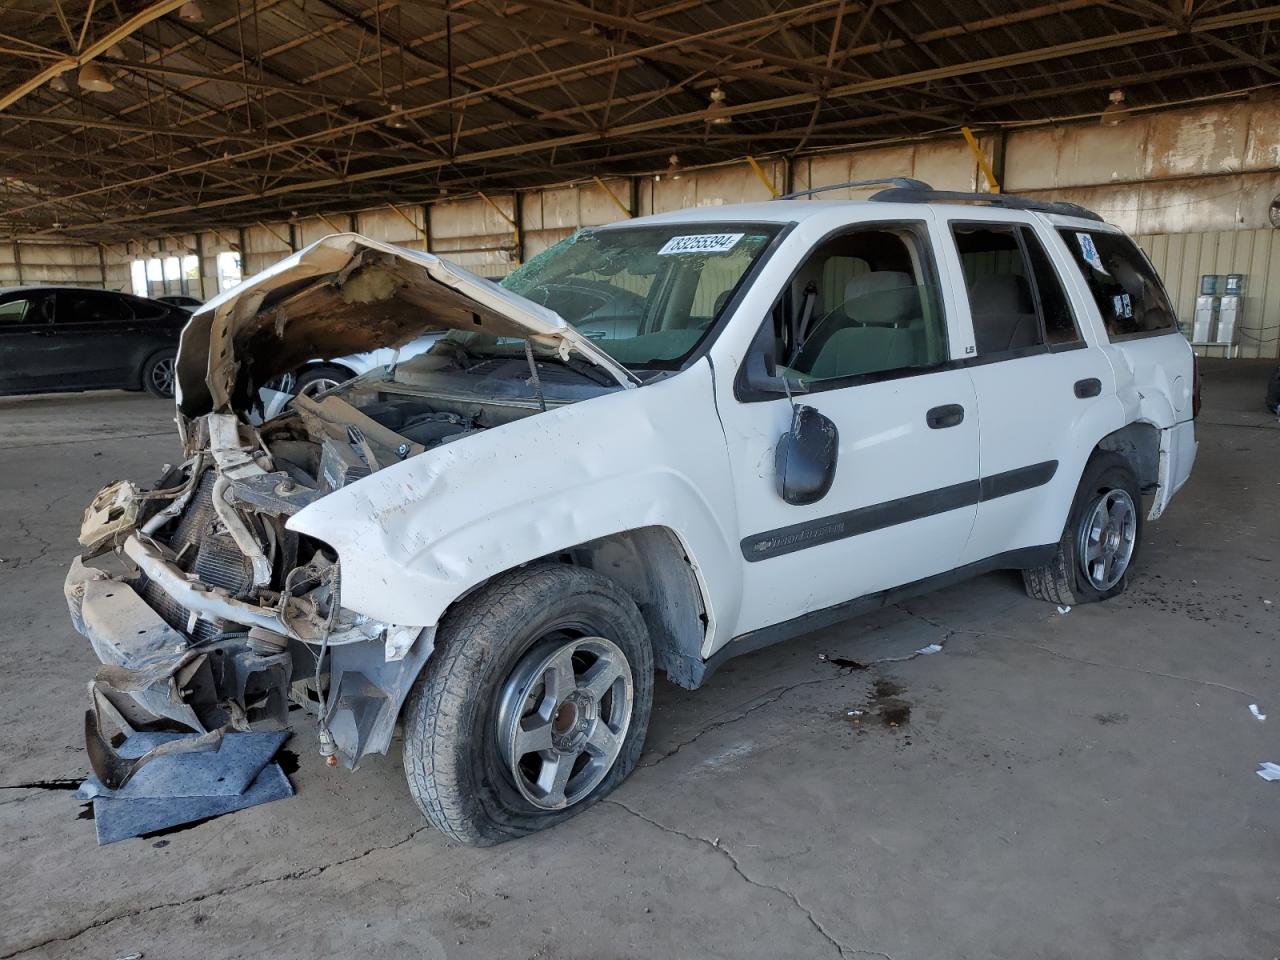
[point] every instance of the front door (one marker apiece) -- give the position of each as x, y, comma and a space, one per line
27, 345
861, 335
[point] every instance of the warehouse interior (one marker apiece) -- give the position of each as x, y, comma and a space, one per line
1074, 781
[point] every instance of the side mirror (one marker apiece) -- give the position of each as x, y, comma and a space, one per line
804, 461
760, 375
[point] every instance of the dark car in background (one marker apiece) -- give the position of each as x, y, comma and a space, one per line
71, 338
181, 300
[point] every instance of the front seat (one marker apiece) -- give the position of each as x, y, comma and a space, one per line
870, 331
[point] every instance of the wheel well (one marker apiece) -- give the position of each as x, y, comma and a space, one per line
324, 364
1139, 443
651, 565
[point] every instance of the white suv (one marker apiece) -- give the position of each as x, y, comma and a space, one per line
660, 444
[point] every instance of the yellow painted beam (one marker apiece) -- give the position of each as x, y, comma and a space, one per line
759, 172
993, 185
332, 225
426, 240
282, 239
616, 202
515, 228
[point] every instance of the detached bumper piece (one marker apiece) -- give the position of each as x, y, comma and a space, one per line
174, 784
182, 709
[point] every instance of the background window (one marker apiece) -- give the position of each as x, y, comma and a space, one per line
1126, 288
89, 307
1001, 297
37, 309
1055, 308
13, 311
860, 304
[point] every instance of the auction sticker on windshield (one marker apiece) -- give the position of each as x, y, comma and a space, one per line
700, 243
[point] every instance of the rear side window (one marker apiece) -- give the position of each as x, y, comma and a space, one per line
1128, 292
147, 309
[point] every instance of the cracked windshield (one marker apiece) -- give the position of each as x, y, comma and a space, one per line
645, 295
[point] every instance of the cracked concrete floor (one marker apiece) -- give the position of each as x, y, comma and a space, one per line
1064, 786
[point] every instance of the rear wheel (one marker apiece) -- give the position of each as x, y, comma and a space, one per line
534, 705
316, 380
1101, 539
159, 373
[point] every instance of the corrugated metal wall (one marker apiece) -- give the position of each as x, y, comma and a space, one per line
1182, 258
1193, 185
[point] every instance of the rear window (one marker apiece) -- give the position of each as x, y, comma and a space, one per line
1126, 288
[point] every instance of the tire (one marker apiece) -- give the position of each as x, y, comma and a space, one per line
464, 721
1064, 580
159, 374
316, 380
1273, 391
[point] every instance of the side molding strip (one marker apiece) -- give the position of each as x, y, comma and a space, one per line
877, 516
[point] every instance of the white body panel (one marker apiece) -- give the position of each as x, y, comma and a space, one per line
684, 453
415, 536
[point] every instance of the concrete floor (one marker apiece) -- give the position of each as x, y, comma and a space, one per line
1065, 786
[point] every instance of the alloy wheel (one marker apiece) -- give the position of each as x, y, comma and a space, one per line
563, 715
1107, 539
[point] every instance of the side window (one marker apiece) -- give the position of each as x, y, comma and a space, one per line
92, 307
865, 302
37, 309
143, 309
14, 311
1055, 307
1128, 292
1001, 295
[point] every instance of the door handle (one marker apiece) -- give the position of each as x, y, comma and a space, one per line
947, 415
1087, 388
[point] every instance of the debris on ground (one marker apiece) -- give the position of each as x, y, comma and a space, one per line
1268, 770
930, 649
1064, 610
1257, 714
184, 787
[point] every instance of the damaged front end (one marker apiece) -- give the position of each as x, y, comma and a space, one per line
207, 611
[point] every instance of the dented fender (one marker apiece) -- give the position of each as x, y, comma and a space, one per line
417, 535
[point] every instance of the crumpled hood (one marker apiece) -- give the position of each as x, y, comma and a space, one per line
348, 294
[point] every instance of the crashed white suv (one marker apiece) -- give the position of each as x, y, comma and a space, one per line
659, 444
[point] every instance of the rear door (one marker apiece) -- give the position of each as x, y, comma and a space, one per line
1039, 384
26, 341
1152, 360
95, 333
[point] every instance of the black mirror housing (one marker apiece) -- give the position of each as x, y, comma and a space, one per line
804, 461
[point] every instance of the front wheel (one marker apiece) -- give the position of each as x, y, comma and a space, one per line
1101, 538
534, 705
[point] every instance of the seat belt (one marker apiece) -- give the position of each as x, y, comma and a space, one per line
802, 324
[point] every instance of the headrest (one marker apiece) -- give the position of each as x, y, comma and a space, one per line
1000, 293
881, 297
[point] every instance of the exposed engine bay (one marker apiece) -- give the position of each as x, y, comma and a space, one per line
210, 613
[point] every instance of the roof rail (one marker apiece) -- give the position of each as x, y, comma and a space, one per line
901, 183
1009, 201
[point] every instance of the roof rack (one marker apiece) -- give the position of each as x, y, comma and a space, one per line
910, 194
902, 183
